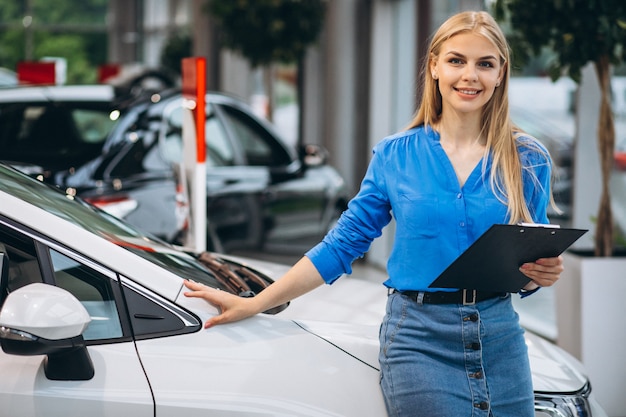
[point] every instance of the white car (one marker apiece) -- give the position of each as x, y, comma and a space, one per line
94, 323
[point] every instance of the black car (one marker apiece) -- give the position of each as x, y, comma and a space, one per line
261, 193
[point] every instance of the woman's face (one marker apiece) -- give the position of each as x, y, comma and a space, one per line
468, 69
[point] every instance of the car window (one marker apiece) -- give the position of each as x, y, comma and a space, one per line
219, 150
37, 133
27, 260
259, 146
138, 156
93, 289
21, 254
92, 126
97, 288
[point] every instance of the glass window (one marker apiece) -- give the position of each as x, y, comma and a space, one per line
65, 134
93, 290
218, 147
219, 151
92, 126
21, 255
259, 146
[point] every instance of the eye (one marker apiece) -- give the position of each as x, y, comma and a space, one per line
486, 64
455, 61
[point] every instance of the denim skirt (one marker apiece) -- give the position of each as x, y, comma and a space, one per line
452, 360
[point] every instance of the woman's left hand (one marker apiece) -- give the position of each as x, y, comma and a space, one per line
544, 272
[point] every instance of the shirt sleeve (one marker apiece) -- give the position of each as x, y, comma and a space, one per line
367, 214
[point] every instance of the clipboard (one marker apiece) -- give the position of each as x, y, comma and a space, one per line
492, 262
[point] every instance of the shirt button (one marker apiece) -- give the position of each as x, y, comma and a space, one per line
473, 346
459, 195
462, 224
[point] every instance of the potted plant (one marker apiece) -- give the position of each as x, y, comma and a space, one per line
580, 34
268, 31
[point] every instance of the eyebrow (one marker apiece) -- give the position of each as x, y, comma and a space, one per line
460, 55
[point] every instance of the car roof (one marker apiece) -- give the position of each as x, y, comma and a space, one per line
98, 92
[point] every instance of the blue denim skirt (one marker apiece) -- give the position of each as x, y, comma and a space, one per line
452, 360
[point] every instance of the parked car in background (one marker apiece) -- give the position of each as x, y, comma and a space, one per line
260, 191
118, 145
46, 129
93, 321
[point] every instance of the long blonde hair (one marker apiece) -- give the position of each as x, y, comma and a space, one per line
499, 131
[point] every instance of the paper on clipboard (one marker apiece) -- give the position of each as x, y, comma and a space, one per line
492, 262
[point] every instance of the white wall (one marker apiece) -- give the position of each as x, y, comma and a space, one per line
392, 87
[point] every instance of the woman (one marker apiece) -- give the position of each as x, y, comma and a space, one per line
460, 167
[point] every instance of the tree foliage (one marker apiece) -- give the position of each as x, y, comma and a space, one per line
267, 31
577, 32
56, 32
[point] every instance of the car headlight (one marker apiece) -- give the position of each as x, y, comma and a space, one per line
564, 405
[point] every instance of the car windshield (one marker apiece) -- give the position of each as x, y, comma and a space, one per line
98, 222
55, 135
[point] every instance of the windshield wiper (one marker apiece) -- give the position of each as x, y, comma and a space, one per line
240, 280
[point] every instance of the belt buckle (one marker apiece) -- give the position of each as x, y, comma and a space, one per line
467, 302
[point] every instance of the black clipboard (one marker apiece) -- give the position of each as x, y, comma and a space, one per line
492, 262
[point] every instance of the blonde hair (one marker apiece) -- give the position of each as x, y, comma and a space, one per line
499, 131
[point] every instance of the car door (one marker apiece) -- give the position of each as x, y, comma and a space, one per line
234, 190
118, 385
294, 200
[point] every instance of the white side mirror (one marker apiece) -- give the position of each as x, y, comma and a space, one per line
41, 319
44, 311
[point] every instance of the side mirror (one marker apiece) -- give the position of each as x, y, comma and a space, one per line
314, 155
40, 319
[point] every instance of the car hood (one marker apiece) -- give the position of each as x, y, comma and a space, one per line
281, 368
554, 370
348, 313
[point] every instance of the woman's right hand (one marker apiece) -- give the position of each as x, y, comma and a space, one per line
232, 307
300, 279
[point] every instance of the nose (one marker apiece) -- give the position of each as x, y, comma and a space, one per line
470, 73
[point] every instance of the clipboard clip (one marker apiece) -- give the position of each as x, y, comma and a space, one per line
546, 225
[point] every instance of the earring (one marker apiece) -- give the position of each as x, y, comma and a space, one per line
498, 84
434, 76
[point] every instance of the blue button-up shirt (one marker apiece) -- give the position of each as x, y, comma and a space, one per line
411, 177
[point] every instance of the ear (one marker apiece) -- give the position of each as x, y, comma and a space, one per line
501, 75
433, 68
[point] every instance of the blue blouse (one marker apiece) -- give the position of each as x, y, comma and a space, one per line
411, 178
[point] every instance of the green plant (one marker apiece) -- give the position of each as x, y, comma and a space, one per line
577, 32
268, 31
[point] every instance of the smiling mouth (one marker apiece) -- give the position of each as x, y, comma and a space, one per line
468, 92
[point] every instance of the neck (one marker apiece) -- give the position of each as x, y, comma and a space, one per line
460, 134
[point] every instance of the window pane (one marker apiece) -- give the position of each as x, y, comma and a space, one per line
94, 291
219, 151
261, 148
